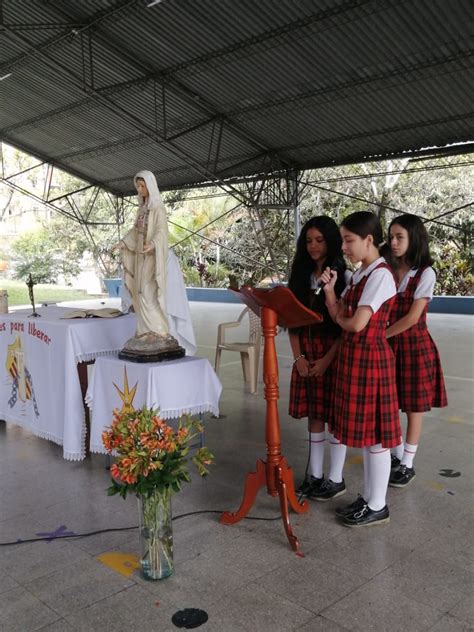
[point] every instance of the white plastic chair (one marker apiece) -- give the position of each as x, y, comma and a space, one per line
249, 350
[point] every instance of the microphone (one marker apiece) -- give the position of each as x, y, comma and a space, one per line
319, 287
337, 266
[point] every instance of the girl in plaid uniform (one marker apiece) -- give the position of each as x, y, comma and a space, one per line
420, 381
365, 401
314, 348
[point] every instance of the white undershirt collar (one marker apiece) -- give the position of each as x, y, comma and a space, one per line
361, 273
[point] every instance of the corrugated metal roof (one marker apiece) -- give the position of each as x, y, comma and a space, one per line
199, 90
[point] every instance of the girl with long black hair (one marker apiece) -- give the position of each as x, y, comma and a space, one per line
314, 349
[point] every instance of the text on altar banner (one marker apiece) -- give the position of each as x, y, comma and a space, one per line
33, 330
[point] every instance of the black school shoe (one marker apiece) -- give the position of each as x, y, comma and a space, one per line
367, 517
402, 477
394, 462
309, 485
346, 510
328, 490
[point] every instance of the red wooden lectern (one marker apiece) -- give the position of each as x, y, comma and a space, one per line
277, 306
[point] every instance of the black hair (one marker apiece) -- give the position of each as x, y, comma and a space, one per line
418, 253
364, 223
303, 266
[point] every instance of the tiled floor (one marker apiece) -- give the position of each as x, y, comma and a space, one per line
413, 574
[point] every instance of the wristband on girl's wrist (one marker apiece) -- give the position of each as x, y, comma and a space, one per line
302, 355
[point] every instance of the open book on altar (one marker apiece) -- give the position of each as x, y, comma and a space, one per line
104, 312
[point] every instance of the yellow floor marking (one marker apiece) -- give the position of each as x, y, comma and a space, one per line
123, 563
455, 420
439, 487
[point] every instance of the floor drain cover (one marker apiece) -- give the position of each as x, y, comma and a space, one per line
189, 618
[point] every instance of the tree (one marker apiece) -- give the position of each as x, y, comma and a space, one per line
37, 253
201, 258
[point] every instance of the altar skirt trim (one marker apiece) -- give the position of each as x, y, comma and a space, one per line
43, 434
171, 413
194, 410
90, 357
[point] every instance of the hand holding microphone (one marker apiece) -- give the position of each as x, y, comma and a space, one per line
322, 281
327, 280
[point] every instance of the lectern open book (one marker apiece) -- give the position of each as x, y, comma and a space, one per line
276, 306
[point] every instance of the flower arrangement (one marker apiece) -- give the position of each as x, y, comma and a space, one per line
152, 462
151, 455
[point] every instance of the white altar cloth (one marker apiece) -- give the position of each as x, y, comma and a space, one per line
185, 386
39, 385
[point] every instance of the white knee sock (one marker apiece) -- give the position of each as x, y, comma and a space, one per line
365, 455
316, 446
398, 451
337, 451
379, 458
409, 454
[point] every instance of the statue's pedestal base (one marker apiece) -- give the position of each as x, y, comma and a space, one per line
151, 347
159, 357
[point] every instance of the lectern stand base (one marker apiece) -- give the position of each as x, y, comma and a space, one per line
279, 482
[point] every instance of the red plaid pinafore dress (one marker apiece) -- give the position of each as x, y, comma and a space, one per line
365, 399
312, 396
420, 381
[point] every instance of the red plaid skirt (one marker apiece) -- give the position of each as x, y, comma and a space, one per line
365, 398
312, 396
420, 381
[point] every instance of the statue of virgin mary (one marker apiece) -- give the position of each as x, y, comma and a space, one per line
144, 256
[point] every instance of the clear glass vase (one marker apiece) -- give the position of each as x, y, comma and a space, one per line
156, 535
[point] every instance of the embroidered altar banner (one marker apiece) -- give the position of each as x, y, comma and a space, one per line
188, 385
39, 384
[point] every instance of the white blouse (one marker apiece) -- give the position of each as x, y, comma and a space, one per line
425, 286
379, 288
